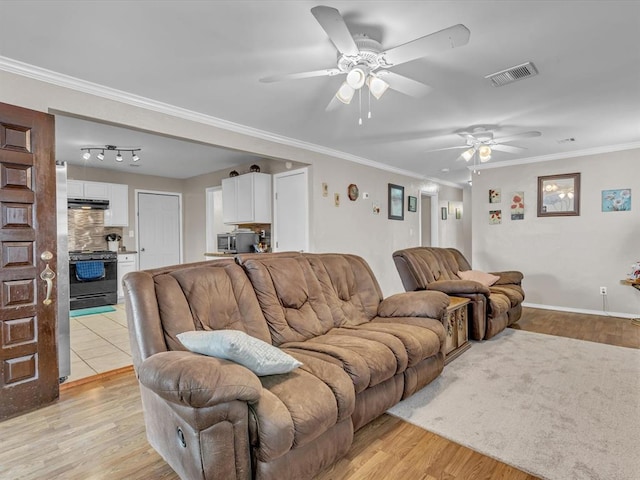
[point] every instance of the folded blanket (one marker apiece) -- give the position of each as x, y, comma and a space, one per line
92, 270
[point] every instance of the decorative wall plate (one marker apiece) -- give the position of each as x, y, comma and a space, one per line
353, 192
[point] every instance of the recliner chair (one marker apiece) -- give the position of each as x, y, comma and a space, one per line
493, 308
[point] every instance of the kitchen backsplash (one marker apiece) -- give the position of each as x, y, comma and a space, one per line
87, 230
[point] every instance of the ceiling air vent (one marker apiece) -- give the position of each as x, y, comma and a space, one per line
512, 74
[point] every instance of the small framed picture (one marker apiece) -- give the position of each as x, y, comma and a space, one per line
396, 202
412, 204
443, 213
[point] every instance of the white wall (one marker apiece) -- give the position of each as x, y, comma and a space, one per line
564, 259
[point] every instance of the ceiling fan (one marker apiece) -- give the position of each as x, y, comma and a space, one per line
479, 141
364, 62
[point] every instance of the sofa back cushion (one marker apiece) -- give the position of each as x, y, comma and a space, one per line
207, 296
289, 295
349, 286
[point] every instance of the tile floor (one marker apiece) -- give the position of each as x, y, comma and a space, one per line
99, 343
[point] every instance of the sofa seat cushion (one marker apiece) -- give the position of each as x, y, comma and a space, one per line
368, 359
514, 293
296, 408
418, 342
499, 303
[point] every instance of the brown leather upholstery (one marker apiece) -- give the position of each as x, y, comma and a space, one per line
361, 354
492, 308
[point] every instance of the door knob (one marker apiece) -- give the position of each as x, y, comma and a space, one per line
47, 275
142, 249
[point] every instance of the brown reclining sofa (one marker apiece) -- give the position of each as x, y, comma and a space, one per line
212, 418
493, 308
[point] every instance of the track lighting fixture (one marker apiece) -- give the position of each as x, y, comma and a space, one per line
87, 151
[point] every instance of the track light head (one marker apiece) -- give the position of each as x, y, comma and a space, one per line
86, 155
119, 157
134, 157
100, 156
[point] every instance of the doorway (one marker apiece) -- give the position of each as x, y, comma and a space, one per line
429, 219
159, 228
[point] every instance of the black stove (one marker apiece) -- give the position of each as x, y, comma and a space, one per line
92, 278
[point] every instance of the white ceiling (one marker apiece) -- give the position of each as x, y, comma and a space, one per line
208, 57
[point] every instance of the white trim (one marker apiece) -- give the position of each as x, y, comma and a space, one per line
156, 192
274, 231
48, 76
580, 310
558, 156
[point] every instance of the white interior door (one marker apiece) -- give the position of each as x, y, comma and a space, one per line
214, 224
291, 211
159, 225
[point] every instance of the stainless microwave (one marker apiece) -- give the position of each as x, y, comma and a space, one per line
238, 242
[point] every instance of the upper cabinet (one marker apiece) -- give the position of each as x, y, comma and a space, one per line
117, 215
246, 199
90, 190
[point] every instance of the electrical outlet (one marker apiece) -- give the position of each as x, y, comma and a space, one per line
603, 290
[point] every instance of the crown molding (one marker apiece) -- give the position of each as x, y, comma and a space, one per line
558, 156
55, 78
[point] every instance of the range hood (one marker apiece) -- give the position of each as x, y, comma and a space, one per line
87, 204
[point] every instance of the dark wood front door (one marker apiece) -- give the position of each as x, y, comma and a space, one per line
28, 342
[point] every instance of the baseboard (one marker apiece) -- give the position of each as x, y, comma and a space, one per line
581, 310
96, 378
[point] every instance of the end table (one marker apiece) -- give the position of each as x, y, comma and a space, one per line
457, 326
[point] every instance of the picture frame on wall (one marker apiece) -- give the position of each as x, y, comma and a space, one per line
443, 213
396, 202
559, 195
412, 204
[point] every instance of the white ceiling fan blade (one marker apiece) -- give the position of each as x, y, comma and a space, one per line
451, 37
327, 72
508, 148
403, 84
518, 136
448, 148
332, 22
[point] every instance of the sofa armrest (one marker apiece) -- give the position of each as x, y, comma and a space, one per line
414, 304
511, 277
453, 287
197, 380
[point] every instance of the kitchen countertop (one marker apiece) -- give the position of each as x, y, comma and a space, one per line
219, 254
127, 252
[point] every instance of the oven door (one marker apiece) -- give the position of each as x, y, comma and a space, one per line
92, 283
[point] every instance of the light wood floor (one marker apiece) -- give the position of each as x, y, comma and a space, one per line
96, 430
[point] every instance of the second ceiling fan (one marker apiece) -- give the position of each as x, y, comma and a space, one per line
479, 140
364, 62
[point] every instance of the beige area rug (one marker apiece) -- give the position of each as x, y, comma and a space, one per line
558, 408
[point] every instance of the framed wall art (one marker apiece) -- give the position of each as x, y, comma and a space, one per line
443, 213
396, 202
412, 204
616, 200
559, 195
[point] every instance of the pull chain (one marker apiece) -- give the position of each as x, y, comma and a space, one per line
360, 106
369, 115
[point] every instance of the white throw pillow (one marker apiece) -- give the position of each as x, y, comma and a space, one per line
487, 279
258, 356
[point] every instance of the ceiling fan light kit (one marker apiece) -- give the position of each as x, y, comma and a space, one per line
364, 61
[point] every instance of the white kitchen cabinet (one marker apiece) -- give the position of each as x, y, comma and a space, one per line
89, 190
127, 262
75, 189
246, 199
117, 215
